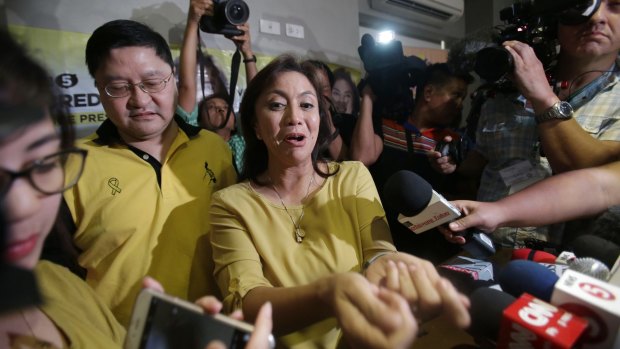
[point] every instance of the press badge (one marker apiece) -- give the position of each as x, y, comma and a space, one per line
520, 175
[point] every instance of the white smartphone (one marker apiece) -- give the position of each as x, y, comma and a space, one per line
160, 321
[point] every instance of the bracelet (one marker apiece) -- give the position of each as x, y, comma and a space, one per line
248, 60
374, 258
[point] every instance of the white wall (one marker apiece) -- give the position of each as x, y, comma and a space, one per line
331, 27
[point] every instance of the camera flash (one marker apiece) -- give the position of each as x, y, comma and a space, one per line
386, 36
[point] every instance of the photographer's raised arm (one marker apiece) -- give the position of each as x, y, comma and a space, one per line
187, 66
244, 44
366, 145
564, 142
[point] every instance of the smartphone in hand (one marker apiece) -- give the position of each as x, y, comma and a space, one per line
160, 321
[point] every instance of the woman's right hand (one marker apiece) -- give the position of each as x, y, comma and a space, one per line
370, 316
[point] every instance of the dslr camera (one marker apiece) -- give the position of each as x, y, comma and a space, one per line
391, 76
533, 22
227, 14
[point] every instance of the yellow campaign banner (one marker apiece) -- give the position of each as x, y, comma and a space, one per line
62, 53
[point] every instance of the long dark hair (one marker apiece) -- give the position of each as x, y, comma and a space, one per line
256, 157
26, 97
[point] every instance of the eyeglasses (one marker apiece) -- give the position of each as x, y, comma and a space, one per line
48, 175
123, 89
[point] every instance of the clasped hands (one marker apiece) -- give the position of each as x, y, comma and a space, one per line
418, 282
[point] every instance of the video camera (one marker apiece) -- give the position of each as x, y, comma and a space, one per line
227, 14
533, 22
391, 76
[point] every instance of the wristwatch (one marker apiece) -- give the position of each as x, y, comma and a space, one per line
561, 110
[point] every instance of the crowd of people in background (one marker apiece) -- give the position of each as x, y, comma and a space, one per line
277, 209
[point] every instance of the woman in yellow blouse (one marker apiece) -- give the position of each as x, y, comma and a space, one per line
32, 177
298, 231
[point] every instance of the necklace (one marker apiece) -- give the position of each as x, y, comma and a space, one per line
299, 233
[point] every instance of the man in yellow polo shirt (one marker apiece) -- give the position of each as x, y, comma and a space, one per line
141, 205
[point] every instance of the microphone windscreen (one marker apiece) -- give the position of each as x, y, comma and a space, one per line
487, 306
591, 267
533, 255
521, 276
596, 247
407, 193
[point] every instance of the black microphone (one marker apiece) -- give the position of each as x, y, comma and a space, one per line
596, 247
523, 322
486, 308
421, 208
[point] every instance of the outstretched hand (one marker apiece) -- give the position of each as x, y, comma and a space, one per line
481, 215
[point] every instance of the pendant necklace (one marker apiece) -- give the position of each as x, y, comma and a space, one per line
299, 233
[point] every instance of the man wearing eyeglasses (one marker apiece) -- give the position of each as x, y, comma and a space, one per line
140, 207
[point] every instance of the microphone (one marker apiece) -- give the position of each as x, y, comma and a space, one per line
582, 295
533, 255
539, 280
421, 208
596, 247
523, 276
595, 300
524, 322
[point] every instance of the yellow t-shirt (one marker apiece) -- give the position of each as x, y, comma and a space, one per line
129, 225
254, 245
77, 310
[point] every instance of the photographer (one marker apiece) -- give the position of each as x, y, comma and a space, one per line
395, 145
214, 109
514, 129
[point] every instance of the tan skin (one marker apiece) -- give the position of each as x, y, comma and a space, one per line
566, 196
30, 215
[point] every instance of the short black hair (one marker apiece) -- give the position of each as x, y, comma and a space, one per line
123, 33
440, 74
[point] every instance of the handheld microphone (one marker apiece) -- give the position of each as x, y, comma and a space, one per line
595, 300
533, 255
421, 208
582, 295
596, 247
539, 280
524, 322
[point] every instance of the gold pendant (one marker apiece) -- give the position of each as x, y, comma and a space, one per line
299, 235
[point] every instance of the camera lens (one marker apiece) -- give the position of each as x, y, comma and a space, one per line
237, 12
492, 63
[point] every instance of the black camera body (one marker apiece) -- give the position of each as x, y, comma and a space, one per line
533, 22
391, 76
227, 15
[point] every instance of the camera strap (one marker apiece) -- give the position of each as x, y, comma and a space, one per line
234, 73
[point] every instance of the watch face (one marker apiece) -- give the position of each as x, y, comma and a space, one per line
565, 109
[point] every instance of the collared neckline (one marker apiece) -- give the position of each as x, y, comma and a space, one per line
107, 133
